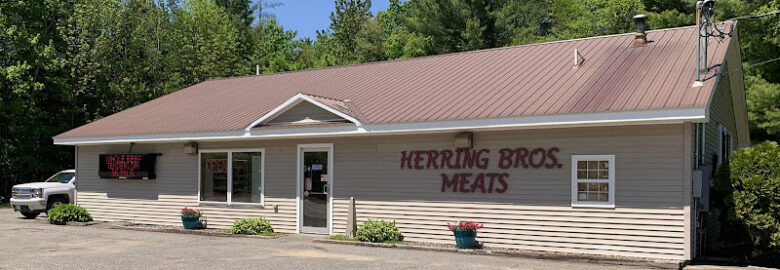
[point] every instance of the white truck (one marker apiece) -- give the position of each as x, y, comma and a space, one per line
31, 199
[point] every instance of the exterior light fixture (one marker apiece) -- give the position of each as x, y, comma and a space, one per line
464, 140
191, 148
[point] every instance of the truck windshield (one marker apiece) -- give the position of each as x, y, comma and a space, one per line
60, 177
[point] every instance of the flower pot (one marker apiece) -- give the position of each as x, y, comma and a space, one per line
190, 223
465, 239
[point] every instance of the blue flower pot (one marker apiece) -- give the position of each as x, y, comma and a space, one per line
190, 223
465, 239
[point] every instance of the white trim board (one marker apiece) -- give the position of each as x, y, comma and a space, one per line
643, 117
229, 152
299, 179
295, 100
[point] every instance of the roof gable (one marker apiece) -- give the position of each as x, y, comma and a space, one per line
307, 109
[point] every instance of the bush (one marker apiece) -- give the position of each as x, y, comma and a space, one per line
755, 176
251, 226
68, 212
378, 231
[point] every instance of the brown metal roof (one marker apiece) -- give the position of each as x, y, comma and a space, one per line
536, 79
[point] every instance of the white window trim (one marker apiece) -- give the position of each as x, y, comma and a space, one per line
299, 183
611, 181
230, 152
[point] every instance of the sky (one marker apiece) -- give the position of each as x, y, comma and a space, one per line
308, 16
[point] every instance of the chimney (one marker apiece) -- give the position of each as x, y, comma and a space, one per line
641, 38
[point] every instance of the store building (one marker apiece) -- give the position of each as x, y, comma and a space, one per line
599, 146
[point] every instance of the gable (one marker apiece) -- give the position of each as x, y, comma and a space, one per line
305, 112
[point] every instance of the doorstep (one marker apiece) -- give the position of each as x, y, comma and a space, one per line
558, 256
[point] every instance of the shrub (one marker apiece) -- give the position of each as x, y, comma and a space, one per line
378, 231
755, 176
251, 226
68, 212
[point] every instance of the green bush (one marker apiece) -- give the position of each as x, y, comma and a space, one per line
68, 212
755, 175
251, 226
378, 231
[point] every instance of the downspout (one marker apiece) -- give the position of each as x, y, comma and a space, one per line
76, 170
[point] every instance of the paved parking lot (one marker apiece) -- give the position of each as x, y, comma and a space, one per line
27, 244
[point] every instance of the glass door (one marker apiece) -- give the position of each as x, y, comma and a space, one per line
315, 192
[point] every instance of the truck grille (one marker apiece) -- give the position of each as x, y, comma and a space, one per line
21, 193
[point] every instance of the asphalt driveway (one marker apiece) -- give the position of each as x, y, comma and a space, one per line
27, 244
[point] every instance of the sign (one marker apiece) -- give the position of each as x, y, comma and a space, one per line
468, 159
316, 167
216, 165
128, 166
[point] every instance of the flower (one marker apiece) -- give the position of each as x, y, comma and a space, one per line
469, 226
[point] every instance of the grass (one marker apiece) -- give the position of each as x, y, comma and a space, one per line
341, 237
5, 205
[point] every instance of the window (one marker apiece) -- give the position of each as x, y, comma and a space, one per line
725, 145
593, 180
232, 176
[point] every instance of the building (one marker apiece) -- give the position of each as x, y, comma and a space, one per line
597, 146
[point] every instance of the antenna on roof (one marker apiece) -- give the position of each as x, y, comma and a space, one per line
704, 14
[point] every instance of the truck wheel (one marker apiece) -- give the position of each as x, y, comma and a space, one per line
56, 201
30, 215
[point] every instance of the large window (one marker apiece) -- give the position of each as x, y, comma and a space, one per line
593, 180
232, 176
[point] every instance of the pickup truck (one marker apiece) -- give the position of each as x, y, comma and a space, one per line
31, 199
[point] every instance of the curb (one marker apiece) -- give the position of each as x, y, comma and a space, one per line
191, 232
519, 254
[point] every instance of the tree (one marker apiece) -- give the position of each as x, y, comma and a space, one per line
276, 47
205, 43
347, 21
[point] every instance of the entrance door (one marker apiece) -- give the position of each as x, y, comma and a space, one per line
315, 182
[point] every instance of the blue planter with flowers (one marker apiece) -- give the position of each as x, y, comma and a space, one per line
190, 218
465, 234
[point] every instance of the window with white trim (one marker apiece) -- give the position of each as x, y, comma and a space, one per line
725, 144
593, 180
232, 176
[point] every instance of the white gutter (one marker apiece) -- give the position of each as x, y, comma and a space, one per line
643, 117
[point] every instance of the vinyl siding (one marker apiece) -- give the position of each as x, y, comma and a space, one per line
303, 110
534, 213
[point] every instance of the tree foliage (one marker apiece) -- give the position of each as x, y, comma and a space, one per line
755, 175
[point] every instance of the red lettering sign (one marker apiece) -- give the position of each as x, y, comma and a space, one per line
468, 182
123, 166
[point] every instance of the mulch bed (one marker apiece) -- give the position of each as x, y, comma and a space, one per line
178, 229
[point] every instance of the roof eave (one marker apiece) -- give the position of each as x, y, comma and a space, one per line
641, 117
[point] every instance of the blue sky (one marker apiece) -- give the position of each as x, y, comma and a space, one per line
308, 16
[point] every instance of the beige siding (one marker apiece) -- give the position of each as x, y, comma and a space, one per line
302, 111
534, 212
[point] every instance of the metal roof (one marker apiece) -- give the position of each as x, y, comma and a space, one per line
529, 80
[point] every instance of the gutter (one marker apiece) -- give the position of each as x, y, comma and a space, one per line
641, 117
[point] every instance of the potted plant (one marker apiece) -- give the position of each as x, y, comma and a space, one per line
190, 218
465, 233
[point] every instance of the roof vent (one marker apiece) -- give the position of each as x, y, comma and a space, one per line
641, 38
